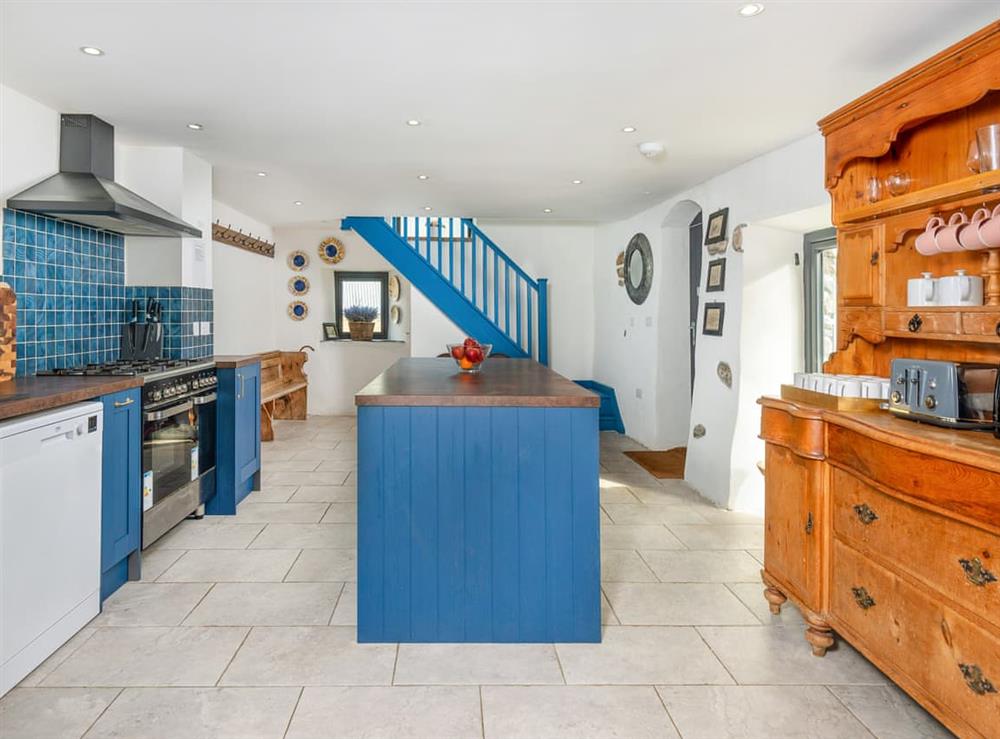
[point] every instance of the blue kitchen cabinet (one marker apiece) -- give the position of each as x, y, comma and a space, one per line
237, 461
121, 492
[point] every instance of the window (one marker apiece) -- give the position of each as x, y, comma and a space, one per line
820, 297
369, 289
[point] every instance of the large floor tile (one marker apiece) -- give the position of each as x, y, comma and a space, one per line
477, 664
569, 712
720, 536
267, 604
306, 478
273, 493
341, 513
325, 494
149, 656
703, 566
292, 465
387, 713
617, 495
642, 513
643, 655
52, 713
209, 534
197, 713
231, 565
324, 565
156, 560
889, 713
346, 612
759, 655
607, 614
150, 604
676, 604
624, 565
714, 514
638, 537
666, 492
752, 596
250, 512
307, 536
309, 655
35, 677
759, 712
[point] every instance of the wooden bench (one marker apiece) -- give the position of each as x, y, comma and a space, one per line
283, 389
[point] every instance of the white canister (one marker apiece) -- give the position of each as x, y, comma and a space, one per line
800, 379
871, 388
848, 388
961, 289
922, 291
828, 384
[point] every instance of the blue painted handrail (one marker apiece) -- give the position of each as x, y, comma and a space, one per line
481, 273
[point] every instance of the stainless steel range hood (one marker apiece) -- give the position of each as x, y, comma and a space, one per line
84, 190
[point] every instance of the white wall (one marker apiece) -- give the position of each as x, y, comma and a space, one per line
562, 252
630, 349
29, 142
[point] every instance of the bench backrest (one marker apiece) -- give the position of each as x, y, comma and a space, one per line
281, 368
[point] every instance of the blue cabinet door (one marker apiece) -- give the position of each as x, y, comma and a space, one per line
121, 496
247, 420
237, 452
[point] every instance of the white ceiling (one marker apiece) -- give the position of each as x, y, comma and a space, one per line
517, 99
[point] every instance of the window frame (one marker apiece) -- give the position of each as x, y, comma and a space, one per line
342, 276
813, 244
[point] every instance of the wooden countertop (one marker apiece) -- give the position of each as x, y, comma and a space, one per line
976, 448
230, 361
24, 395
502, 382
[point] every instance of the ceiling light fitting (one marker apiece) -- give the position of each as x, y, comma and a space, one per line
413, 122
577, 182
262, 174
547, 210
427, 207
421, 177
92, 51
651, 149
195, 126
628, 129
749, 10
298, 202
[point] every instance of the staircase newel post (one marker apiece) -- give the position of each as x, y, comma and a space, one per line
543, 321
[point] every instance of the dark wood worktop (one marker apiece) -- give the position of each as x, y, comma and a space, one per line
501, 382
230, 361
24, 395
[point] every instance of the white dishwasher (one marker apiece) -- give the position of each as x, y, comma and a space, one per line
50, 533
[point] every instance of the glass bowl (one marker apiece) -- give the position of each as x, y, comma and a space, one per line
469, 364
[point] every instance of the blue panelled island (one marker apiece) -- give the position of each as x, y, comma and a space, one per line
478, 505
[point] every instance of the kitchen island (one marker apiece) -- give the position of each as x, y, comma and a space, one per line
478, 505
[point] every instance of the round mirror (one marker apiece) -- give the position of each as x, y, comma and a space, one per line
639, 268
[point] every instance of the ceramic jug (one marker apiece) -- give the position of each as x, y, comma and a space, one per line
922, 290
961, 289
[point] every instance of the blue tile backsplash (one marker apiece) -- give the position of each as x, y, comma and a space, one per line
72, 299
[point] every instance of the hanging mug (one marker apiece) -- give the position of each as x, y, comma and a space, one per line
947, 238
989, 230
969, 236
926, 243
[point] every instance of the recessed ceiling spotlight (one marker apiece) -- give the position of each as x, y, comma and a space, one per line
298, 202
413, 122
262, 174
421, 177
195, 126
646, 192
651, 149
749, 10
427, 207
546, 210
92, 51
628, 129
577, 182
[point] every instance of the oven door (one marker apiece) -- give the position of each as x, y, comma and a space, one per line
169, 450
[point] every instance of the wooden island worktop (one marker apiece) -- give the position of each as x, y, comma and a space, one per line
478, 505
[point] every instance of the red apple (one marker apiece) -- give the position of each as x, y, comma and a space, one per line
470, 342
474, 354
458, 352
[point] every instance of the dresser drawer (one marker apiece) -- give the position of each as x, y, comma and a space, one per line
915, 322
961, 561
952, 659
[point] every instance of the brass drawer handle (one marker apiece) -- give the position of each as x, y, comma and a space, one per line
976, 680
123, 403
865, 514
976, 573
862, 598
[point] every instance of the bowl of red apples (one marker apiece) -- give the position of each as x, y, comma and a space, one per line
469, 355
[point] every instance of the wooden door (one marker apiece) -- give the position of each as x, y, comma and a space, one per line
859, 259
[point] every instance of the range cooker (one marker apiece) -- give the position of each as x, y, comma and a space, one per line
178, 435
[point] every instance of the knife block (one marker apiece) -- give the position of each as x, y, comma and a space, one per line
141, 341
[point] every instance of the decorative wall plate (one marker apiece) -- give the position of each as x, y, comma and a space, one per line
393, 287
620, 268
298, 285
395, 314
298, 260
297, 310
738, 237
725, 373
331, 250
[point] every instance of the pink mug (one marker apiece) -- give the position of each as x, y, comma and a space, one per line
926, 243
968, 235
989, 230
947, 238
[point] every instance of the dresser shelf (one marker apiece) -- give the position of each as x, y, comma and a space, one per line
945, 193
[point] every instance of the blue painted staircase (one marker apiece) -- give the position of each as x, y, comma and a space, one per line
468, 277
609, 417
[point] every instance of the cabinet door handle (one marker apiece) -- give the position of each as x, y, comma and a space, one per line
976, 680
874, 258
123, 403
862, 598
976, 573
865, 514
809, 523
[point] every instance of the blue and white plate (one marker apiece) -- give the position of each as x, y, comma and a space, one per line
297, 310
298, 285
298, 260
331, 250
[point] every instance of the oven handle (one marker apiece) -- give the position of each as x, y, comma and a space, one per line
161, 414
204, 399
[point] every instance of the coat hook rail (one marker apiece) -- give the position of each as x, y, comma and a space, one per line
235, 237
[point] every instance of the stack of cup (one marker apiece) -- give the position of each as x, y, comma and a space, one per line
844, 386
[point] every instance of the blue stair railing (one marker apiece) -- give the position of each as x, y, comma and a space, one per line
514, 305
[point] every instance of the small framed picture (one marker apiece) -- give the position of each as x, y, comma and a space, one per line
715, 230
716, 276
715, 314
330, 331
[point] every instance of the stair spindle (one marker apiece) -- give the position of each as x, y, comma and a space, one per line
486, 305
517, 304
530, 343
474, 270
451, 250
506, 297
440, 258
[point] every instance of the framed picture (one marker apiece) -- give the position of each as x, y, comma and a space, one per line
715, 230
330, 331
716, 276
715, 314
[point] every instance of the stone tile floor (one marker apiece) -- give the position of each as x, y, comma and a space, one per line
244, 628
